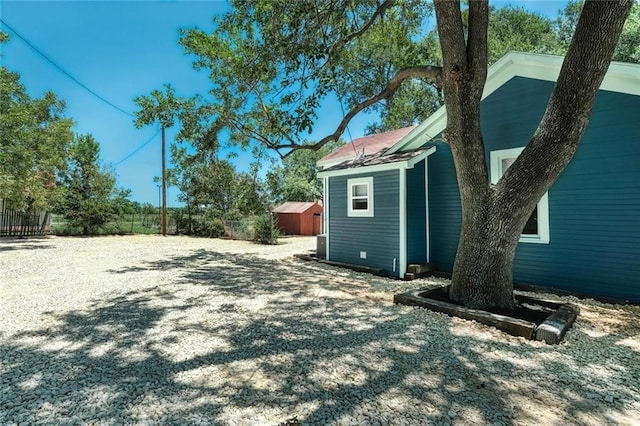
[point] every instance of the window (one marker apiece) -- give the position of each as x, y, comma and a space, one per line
360, 197
536, 229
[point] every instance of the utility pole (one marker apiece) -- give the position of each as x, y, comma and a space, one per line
159, 203
164, 188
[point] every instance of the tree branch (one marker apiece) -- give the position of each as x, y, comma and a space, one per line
451, 34
424, 71
568, 112
477, 51
380, 10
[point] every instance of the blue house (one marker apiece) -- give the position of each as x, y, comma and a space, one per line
400, 205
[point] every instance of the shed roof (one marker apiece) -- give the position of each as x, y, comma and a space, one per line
294, 207
372, 144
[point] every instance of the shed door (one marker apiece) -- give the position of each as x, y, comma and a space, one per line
317, 224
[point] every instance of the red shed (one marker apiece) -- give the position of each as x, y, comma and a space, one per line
299, 218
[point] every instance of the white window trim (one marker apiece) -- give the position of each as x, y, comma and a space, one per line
359, 181
542, 237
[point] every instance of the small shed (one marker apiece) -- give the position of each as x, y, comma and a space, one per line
299, 218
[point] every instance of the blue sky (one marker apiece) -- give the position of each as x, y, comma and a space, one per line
122, 49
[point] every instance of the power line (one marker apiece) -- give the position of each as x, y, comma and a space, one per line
62, 70
135, 151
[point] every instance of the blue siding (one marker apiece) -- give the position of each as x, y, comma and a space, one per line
594, 207
444, 208
379, 235
416, 215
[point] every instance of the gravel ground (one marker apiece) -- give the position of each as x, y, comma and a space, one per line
176, 330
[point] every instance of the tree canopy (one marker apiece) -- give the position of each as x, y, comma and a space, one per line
275, 65
628, 46
296, 178
34, 138
91, 197
213, 183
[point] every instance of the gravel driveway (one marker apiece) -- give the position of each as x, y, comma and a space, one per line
177, 330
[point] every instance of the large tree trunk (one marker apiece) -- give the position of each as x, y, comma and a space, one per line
482, 275
493, 216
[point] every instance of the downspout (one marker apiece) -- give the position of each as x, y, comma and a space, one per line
325, 230
403, 222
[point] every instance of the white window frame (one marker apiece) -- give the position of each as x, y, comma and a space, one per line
368, 181
542, 237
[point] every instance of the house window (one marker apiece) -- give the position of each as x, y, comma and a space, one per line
536, 229
360, 197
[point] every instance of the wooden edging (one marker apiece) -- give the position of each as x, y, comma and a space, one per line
513, 326
553, 329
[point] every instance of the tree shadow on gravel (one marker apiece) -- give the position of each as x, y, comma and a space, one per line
10, 243
235, 339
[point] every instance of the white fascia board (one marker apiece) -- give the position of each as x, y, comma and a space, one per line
364, 169
423, 133
398, 165
621, 77
325, 164
418, 158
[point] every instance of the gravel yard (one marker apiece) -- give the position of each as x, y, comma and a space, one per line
177, 330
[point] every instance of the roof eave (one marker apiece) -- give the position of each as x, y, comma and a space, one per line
396, 165
621, 77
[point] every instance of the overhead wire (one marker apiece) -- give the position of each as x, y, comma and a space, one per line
69, 75
62, 70
135, 151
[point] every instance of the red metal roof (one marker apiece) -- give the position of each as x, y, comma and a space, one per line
371, 144
294, 207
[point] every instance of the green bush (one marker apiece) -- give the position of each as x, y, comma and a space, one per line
265, 230
215, 228
181, 220
208, 225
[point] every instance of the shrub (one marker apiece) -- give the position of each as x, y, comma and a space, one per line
181, 220
208, 225
215, 227
265, 230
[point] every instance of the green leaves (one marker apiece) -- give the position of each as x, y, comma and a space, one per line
159, 107
34, 138
205, 180
273, 64
296, 179
628, 48
91, 197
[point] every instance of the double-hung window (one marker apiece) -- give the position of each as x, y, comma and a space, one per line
536, 229
360, 197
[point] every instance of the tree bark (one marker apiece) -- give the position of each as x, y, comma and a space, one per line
493, 216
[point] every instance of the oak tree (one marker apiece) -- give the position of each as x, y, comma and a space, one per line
274, 65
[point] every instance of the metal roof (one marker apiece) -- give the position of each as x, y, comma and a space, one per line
376, 159
294, 207
369, 144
